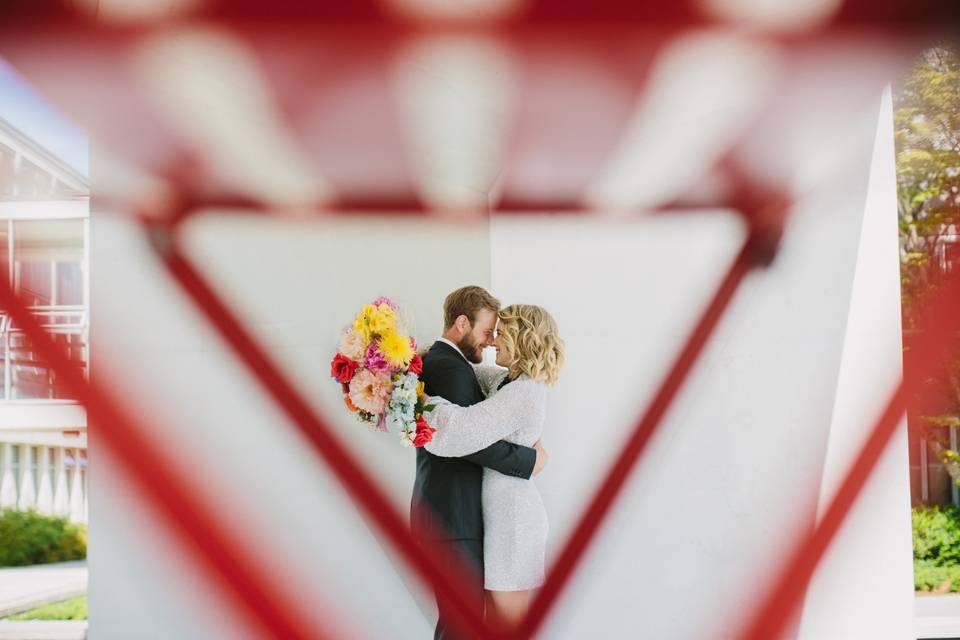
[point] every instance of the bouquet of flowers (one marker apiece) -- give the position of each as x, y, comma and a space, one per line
378, 368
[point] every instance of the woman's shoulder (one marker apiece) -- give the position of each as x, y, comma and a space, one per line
489, 377
528, 386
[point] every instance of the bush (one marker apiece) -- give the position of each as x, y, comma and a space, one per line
28, 537
929, 577
936, 535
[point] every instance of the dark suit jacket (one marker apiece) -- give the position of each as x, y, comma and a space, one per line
446, 493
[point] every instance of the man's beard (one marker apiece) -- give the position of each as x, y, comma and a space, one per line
469, 348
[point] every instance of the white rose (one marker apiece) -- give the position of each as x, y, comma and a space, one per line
352, 345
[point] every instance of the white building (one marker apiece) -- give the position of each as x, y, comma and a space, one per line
44, 231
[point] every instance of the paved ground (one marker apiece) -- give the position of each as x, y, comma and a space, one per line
42, 630
938, 616
23, 588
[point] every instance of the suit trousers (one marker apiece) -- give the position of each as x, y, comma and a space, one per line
470, 554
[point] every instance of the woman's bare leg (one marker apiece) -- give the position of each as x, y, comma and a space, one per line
507, 608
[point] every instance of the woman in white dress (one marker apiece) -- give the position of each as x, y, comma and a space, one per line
530, 354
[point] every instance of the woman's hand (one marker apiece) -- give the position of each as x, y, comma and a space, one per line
542, 457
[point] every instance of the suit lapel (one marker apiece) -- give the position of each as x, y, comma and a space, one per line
444, 350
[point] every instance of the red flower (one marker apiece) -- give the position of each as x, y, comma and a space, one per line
416, 365
424, 433
422, 438
343, 368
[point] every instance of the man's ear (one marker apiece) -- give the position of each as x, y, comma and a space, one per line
463, 324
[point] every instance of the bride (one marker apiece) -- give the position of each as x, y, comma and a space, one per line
530, 354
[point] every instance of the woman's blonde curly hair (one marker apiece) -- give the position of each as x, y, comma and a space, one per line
532, 342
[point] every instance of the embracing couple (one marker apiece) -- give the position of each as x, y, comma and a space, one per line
474, 494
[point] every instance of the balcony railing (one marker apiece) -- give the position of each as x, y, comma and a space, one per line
52, 480
26, 377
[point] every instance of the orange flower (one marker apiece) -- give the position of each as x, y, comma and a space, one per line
347, 401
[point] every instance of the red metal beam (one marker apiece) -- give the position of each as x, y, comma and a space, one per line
689, 13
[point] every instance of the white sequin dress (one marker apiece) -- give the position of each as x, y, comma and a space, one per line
514, 518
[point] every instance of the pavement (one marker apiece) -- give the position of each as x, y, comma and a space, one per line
938, 617
43, 630
23, 588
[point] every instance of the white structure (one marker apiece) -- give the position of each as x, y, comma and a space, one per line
44, 231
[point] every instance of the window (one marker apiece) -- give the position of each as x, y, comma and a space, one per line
46, 266
7, 180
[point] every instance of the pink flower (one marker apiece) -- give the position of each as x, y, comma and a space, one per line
374, 360
387, 301
370, 391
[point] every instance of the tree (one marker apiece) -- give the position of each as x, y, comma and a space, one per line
927, 135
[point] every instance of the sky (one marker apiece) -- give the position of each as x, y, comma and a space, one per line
36, 118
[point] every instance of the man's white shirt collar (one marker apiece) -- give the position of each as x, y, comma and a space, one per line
445, 341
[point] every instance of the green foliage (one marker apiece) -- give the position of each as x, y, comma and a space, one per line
936, 535
28, 537
927, 135
929, 577
936, 548
73, 609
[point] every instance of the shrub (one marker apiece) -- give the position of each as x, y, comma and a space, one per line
936, 535
28, 537
929, 577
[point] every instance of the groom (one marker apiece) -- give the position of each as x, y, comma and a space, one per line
446, 494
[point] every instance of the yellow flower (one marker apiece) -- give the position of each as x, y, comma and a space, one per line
382, 319
361, 323
396, 349
421, 387
375, 320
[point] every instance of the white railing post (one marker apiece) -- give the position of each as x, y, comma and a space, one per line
61, 497
76, 490
45, 487
8, 482
28, 493
86, 492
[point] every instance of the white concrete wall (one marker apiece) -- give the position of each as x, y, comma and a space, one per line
866, 570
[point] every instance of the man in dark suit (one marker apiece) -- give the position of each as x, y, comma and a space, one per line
446, 509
